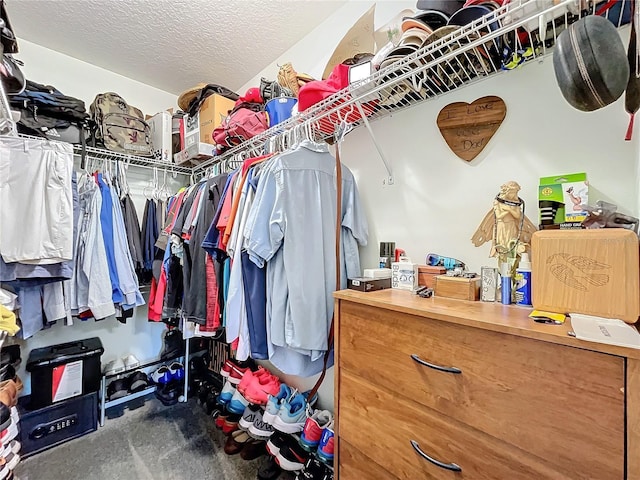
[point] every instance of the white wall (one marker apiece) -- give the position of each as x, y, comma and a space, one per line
438, 200
83, 80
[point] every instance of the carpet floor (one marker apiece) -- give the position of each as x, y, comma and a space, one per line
152, 442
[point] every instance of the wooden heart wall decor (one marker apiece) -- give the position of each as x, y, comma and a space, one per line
468, 127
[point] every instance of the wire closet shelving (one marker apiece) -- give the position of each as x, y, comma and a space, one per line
467, 55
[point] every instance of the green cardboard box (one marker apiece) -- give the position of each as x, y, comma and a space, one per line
560, 198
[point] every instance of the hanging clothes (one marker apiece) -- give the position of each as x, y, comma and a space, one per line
35, 192
291, 229
149, 234
91, 275
195, 303
106, 223
132, 228
128, 281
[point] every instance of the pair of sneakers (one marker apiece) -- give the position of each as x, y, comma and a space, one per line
317, 434
253, 389
253, 423
287, 410
314, 469
256, 387
234, 370
120, 365
9, 459
166, 374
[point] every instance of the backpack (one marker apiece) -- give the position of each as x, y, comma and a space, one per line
119, 126
45, 111
245, 121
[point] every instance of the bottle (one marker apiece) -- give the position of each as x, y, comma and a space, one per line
505, 283
387, 250
523, 281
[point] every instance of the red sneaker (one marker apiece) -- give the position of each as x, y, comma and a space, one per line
230, 424
261, 387
236, 374
310, 438
220, 419
225, 371
249, 377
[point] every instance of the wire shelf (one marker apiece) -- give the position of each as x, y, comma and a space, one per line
94, 153
513, 35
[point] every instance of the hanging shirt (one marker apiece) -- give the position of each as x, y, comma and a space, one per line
124, 263
210, 242
132, 228
294, 215
149, 234
106, 223
236, 309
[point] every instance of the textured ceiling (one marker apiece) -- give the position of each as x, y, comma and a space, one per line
171, 44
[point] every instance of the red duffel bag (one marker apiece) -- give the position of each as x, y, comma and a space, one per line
245, 121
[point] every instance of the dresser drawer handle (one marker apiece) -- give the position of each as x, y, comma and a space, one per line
447, 466
435, 367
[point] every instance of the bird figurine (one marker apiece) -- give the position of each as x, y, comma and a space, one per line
506, 225
578, 272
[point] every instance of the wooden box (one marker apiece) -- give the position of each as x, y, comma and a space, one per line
458, 287
594, 272
427, 275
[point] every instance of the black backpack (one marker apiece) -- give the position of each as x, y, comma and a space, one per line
45, 111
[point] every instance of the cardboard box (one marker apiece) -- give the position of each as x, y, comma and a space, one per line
427, 275
366, 284
458, 287
214, 110
195, 154
404, 275
160, 125
559, 200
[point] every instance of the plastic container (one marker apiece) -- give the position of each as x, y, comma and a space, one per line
505, 284
47, 427
64, 371
523, 281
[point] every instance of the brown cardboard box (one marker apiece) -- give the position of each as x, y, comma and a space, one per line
427, 275
199, 129
458, 287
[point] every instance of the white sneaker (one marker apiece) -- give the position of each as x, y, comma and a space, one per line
9, 434
114, 367
131, 362
12, 460
15, 446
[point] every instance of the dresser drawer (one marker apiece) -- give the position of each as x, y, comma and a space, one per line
355, 465
384, 426
562, 404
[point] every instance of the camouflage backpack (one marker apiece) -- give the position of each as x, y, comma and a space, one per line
120, 127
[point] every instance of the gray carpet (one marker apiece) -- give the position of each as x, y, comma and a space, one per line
152, 442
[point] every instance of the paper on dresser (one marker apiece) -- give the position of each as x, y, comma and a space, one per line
604, 330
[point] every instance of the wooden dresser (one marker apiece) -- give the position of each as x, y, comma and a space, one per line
448, 389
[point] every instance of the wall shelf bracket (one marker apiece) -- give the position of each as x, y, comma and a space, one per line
389, 179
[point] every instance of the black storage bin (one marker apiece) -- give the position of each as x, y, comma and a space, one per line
47, 427
63, 371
